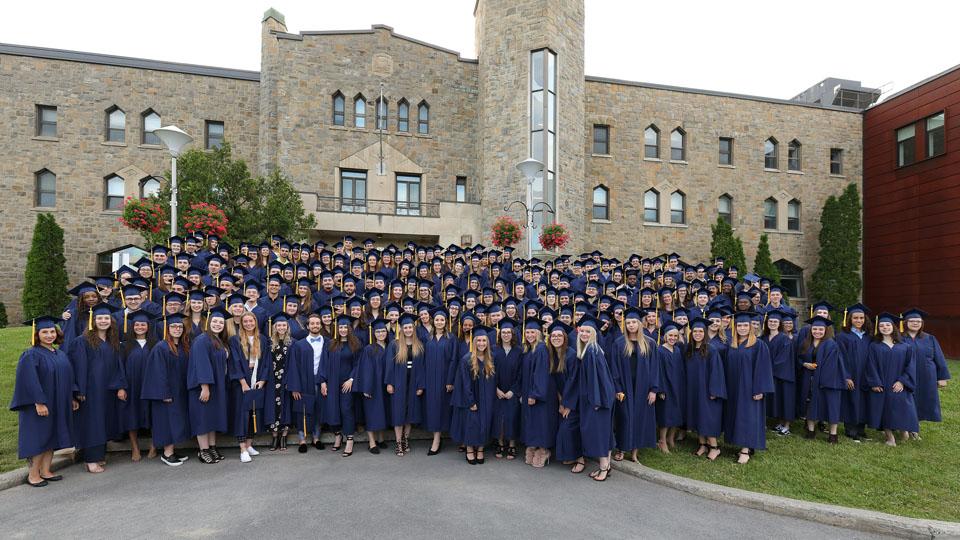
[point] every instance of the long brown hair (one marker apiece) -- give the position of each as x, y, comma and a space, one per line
57, 341
113, 336
703, 349
184, 341
351, 340
558, 355
487, 359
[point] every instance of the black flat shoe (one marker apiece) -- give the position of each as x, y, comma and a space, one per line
318, 444
375, 450
55, 478
41, 483
302, 448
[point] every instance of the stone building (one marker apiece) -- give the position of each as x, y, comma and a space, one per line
628, 166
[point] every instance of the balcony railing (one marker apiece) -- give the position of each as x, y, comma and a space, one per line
378, 207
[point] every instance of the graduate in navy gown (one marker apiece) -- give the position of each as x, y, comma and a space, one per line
336, 375
891, 374
401, 378
506, 408
43, 396
538, 397
823, 378
705, 390
165, 387
932, 371
101, 386
76, 313
749, 375
208, 385
247, 368
276, 397
302, 383
134, 413
782, 403
636, 378
670, 399
473, 397
369, 384
854, 341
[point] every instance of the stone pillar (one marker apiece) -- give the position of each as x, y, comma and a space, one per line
273, 21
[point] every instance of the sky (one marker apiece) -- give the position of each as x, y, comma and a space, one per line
763, 48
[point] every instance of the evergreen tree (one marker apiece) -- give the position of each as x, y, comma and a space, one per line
837, 278
45, 277
3, 316
725, 244
763, 262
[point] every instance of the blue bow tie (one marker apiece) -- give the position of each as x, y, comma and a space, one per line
316, 339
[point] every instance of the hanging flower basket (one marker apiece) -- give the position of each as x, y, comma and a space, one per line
205, 217
554, 236
506, 232
146, 216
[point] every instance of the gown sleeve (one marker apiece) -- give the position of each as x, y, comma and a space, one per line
78, 357
541, 368
717, 378
569, 396
388, 363
762, 370
235, 369
943, 372
616, 366
155, 384
463, 397
908, 374
200, 368
871, 372
27, 389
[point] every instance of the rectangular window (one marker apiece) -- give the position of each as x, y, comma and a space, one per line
935, 135
116, 126
836, 161
906, 147
214, 135
678, 203
461, 189
46, 121
353, 191
601, 139
601, 209
408, 195
114, 188
770, 214
543, 132
725, 208
794, 157
726, 151
151, 121
46, 189
403, 117
651, 206
793, 216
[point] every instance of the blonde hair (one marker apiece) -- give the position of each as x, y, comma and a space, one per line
416, 345
485, 357
249, 347
583, 347
642, 344
275, 339
735, 342
526, 344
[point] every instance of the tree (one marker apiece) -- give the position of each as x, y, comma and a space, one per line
763, 262
725, 244
837, 279
45, 277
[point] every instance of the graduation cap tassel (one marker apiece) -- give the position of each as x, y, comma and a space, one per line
164, 326
370, 335
124, 321
304, 415
206, 321
876, 325
901, 323
90, 319
658, 335
253, 407
811, 311
123, 300
33, 333
844, 317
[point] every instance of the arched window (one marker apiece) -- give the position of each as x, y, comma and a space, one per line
678, 208
651, 142
116, 128
793, 215
678, 145
725, 208
794, 156
770, 157
601, 203
112, 192
423, 118
149, 186
338, 108
651, 206
403, 116
770, 213
381, 114
151, 121
791, 278
359, 111
45, 189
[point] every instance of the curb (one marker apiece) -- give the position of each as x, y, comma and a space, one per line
839, 516
16, 477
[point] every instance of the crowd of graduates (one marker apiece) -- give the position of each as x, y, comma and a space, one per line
574, 358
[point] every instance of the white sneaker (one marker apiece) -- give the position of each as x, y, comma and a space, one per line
253, 451
245, 457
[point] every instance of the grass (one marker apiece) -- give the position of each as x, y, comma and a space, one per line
918, 478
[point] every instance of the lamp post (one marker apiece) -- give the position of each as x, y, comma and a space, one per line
174, 139
530, 168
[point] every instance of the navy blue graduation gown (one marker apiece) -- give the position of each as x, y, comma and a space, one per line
538, 421
569, 445
782, 402
474, 426
302, 378
240, 405
748, 372
854, 403
297, 329
821, 387
931, 367
637, 375
404, 403
98, 373
43, 376
705, 392
336, 366
506, 412
672, 381
75, 325
166, 379
589, 390
369, 385
886, 366
135, 411
207, 365
438, 354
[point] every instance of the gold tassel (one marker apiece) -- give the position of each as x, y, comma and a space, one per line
876, 325
33, 333
90, 319
164, 326
304, 419
901, 323
124, 321
811, 311
254, 407
123, 300
370, 334
206, 322
471, 342
844, 325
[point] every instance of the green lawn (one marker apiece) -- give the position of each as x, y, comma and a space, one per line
12, 342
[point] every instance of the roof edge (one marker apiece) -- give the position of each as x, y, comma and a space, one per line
915, 85
373, 30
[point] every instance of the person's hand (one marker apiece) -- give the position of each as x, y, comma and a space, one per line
712, 398
244, 386
389, 388
204, 393
758, 397
941, 384
564, 411
296, 395
509, 394
651, 398
531, 401
621, 396
500, 394
897, 387
122, 394
168, 401
346, 386
65, 315
850, 385
449, 388
368, 396
420, 391
41, 409
877, 389
323, 389
76, 404
473, 407
810, 366
662, 395
260, 384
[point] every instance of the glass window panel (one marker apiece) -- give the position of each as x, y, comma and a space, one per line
905, 133
359, 113
403, 117
48, 182
676, 145
151, 187
599, 196
47, 199
651, 206
551, 71
151, 122
770, 214
117, 119
726, 151
536, 110
551, 152
793, 210
536, 69
551, 111
935, 135
115, 186
46, 121
536, 146
423, 114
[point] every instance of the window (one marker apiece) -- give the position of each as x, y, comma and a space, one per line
836, 161
214, 134
601, 139
46, 121
113, 192
794, 157
151, 121
116, 125
338, 105
770, 157
651, 142
793, 215
359, 111
461, 189
408, 195
543, 135
403, 116
381, 114
423, 118
725, 208
651, 206
935, 135
791, 278
678, 145
906, 148
770, 213
149, 186
726, 151
678, 204
601, 203
353, 191
46, 189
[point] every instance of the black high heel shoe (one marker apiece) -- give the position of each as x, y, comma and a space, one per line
345, 453
432, 452
480, 460
275, 444
471, 460
337, 442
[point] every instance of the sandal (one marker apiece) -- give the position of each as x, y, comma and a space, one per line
578, 467
283, 444
700, 450
275, 444
618, 455
712, 448
512, 452
480, 459
206, 457
604, 472
338, 442
747, 453
498, 453
350, 453
471, 460
399, 450
406, 443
